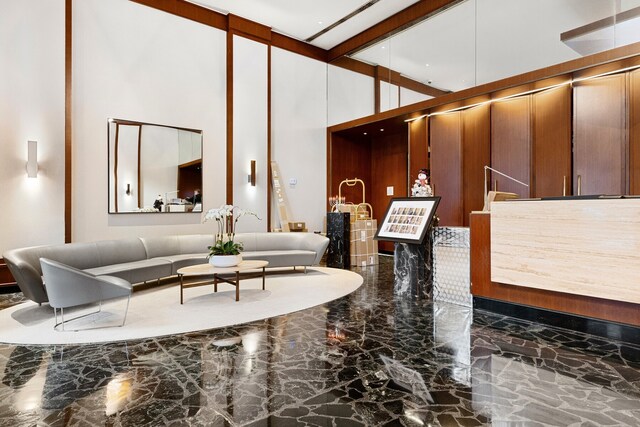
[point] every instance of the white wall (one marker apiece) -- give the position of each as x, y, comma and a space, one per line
32, 108
250, 80
389, 95
133, 62
299, 135
350, 95
408, 97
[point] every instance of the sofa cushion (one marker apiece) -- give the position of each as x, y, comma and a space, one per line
185, 260
194, 243
288, 258
160, 246
120, 251
137, 271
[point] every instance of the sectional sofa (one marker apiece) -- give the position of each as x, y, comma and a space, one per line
149, 258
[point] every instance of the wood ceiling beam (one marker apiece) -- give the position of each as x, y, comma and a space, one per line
402, 20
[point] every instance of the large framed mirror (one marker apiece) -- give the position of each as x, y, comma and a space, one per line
153, 168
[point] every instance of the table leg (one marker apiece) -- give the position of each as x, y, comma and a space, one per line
237, 286
181, 289
215, 283
263, 278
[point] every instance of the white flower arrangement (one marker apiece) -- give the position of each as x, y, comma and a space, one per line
226, 217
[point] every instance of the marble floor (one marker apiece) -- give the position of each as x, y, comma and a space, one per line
366, 359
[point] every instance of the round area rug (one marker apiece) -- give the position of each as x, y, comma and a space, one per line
157, 311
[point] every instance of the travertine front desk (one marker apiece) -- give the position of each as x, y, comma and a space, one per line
587, 247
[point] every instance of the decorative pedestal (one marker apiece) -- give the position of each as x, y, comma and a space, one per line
451, 265
412, 266
338, 232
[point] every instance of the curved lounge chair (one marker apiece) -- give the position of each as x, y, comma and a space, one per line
69, 287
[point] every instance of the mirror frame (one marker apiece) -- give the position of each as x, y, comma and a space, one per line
113, 163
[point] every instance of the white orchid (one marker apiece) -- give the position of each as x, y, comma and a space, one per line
224, 217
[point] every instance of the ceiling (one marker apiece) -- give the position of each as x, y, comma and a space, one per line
471, 43
302, 19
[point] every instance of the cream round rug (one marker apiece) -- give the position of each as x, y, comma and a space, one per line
157, 311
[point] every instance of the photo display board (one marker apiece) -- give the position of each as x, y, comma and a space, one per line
407, 219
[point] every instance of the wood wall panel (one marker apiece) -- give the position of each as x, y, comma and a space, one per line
446, 166
600, 135
476, 153
349, 158
551, 155
511, 143
634, 132
418, 148
388, 168
6, 279
482, 286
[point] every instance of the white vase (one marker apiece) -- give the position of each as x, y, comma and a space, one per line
225, 260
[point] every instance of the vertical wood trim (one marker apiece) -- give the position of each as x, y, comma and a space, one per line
634, 132
267, 166
376, 90
68, 146
115, 167
140, 163
229, 118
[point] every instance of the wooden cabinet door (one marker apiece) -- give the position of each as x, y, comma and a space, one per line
600, 135
511, 144
634, 132
446, 166
476, 153
551, 162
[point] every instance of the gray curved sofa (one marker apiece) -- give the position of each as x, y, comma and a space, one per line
144, 259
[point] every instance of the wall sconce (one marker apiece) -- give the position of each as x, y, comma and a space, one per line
252, 176
128, 192
32, 159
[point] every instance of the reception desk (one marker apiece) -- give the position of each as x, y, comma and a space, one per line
576, 256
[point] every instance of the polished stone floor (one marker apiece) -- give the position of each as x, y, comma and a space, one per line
366, 359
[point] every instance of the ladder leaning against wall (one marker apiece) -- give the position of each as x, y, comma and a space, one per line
284, 211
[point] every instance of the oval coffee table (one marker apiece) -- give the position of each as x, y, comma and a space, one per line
210, 270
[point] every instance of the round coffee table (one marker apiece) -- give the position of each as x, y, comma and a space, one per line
210, 270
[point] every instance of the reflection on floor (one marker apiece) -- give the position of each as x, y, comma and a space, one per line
366, 359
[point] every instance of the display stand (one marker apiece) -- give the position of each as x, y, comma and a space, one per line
339, 234
413, 268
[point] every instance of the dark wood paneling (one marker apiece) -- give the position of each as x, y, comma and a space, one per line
68, 120
634, 132
551, 162
511, 143
6, 279
247, 28
389, 154
600, 135
481, 285
350, 158
229, 183
413, 14
418, 148
296, 46
446, 166
476, 153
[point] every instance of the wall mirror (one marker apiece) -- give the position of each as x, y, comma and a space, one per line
153, 168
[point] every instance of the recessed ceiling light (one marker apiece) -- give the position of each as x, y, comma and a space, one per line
381, 47
319, 22
381, 130
365, 133
426, 65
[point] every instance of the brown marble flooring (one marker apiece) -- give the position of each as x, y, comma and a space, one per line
363, 360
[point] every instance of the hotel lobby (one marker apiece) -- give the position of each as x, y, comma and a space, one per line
509, 296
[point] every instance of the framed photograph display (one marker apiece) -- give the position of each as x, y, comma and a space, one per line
407, 219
